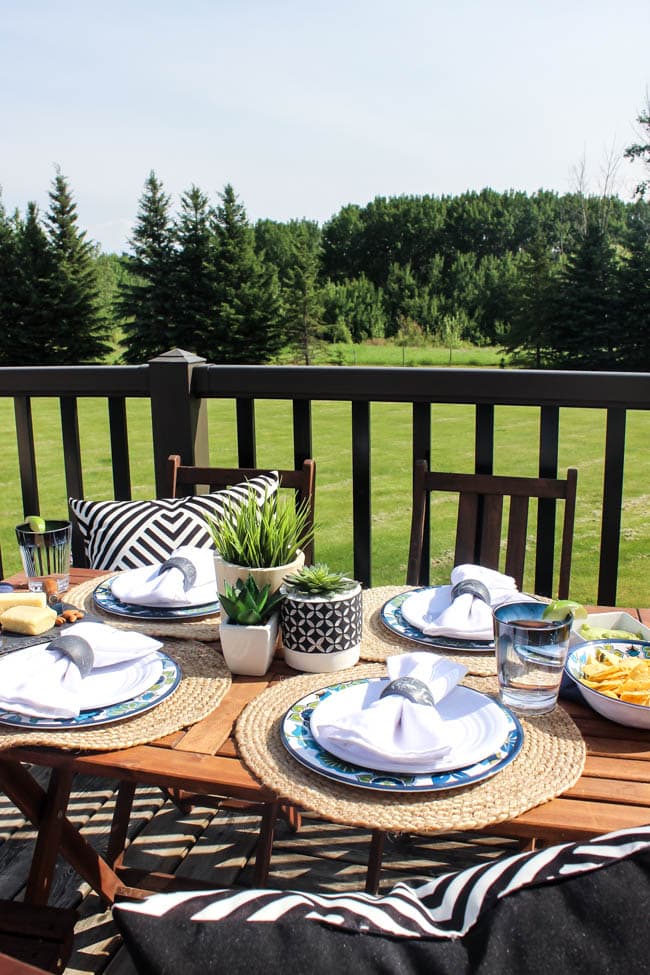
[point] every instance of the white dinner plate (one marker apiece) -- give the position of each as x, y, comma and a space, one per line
127, 680
394, 620
169, 677
475, 724
104, 598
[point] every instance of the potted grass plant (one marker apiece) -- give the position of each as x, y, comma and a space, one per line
249, 626
320, 619
260, 538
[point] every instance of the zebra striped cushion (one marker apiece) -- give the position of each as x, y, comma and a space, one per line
551, 911
130, 534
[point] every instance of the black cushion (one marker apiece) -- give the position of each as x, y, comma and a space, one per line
579, 908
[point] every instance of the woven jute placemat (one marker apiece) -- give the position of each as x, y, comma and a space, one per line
551, 761
205, 629
204, 683
378, 642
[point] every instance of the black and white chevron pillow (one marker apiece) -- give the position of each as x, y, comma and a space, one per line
578, 908
130, 534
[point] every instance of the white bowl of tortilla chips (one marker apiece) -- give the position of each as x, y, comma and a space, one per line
613, 677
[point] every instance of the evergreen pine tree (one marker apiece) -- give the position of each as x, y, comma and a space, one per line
302, 296
149, 302
78, 329
530, 326
10, 280
195, 272
585, 313
634, 291
247, 324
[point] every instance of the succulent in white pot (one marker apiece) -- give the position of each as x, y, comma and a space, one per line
260, 538
321, 620
249, 626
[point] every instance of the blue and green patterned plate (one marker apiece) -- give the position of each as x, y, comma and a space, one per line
300, 743
158, 692
391, 617
104, 598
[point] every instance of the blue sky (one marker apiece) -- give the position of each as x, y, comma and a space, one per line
306, 106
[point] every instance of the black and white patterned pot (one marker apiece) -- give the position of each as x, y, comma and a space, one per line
321, 633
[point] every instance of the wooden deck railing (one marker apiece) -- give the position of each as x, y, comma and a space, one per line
179, 384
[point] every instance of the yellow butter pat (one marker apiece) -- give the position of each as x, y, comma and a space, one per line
9, 599
30, 620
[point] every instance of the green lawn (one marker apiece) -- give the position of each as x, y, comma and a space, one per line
582, 445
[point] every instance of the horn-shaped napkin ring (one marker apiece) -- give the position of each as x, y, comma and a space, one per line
472, 587
184, 566
411, 688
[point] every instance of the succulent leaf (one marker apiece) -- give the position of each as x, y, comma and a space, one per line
319, 579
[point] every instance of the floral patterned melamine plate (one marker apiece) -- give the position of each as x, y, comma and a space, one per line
391, 617
154, 695
104, 598
298, 740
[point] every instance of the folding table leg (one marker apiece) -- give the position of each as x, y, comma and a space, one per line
120, 824
375, 855
48, 841
32, 800
265, 845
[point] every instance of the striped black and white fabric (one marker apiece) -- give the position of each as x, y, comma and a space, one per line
574, 908
130, 534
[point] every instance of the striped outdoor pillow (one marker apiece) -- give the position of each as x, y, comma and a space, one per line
130, 534
578, 908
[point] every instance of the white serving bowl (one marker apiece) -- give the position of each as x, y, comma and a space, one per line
622, 712
610, 621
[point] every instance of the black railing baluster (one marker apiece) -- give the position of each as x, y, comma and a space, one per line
549, 429
246, 438
26, 455
422, 451
302, 431
612, 506
361, 510
119, 448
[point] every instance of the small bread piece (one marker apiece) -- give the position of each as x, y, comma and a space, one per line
9, 599
30, 620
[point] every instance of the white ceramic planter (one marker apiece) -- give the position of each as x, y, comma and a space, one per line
229, 572
249, 649
321, 634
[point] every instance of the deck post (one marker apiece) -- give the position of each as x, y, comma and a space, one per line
179, 420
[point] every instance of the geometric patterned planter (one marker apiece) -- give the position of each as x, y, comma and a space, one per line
321, 633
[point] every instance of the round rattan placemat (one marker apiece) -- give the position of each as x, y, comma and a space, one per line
203, 629
378, 642
551, 761
205, 681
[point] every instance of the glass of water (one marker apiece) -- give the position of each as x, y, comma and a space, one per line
46, 555
531, 652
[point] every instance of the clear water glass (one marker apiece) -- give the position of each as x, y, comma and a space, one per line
530, 653
46, 555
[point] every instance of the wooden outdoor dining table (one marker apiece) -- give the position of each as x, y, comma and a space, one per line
612, 793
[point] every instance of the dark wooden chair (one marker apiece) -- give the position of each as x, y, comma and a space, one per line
184, 479
34, 938
480, 520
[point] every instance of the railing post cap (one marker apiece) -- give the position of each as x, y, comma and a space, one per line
178, 355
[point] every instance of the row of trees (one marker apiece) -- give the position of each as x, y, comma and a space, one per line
555, 280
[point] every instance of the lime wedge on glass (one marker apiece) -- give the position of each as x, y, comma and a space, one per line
558, 609
36, 523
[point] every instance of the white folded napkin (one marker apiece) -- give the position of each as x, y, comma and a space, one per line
45, 683
393, 728
466, 617
149, 586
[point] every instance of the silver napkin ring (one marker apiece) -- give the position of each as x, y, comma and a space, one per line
77, 649
473, 587
184, 566
411, 688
